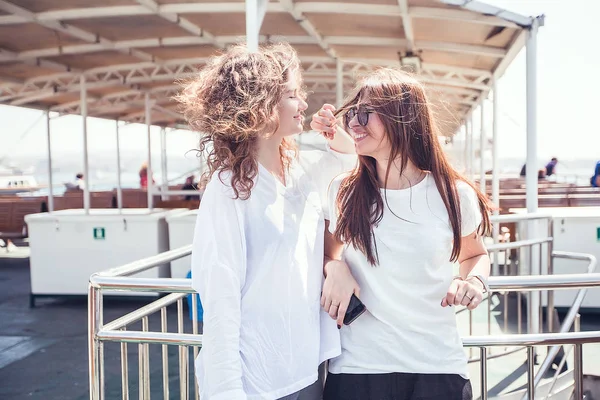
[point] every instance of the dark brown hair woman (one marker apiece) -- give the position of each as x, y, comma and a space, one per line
399, 223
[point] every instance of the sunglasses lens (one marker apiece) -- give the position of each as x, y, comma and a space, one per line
361, 114
349, 115
363, 117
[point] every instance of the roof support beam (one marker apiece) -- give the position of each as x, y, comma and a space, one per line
485, 51
183, 23
207, 39
514, 49
70, 30
288, 5
407, 23
140, 73
126, 97
7, 56
460, 15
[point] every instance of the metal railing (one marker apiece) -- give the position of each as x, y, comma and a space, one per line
118, 279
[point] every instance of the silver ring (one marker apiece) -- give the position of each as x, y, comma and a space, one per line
335, 305
470, 298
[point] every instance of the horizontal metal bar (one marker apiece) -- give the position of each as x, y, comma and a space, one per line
539, 339
519, 217
543, 282
122, 283
576, 256
532, 339
145, 311
178, 339
518, 244
497, 283
146, 263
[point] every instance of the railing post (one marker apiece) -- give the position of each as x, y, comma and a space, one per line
531, 372
483, 366
550, 305
96, 377
578, 360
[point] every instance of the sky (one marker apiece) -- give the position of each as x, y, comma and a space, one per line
567, 90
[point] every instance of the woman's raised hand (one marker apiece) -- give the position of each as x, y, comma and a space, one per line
324, 121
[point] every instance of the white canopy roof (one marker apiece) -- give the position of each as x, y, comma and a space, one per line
126, 49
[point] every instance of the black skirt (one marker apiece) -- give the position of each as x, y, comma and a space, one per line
397, 386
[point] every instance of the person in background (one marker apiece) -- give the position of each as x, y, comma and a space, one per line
189, 185
144, 176
551, 167
595, 180
77, 185
523, 172
79, 181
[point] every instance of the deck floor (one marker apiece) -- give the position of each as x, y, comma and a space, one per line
43, 351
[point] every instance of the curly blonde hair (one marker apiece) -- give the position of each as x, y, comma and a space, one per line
232, 102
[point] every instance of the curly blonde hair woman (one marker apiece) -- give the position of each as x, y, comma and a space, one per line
258, 246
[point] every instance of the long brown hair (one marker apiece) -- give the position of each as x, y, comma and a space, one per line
232, 101
402, 105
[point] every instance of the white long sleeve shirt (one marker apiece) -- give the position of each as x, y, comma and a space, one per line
257, 265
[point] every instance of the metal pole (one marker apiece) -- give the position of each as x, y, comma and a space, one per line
532, 168
86, 175
482, 140
495, 177
50, 193
119, 186
95, 322
578, 361
150, 186
471, 149
252, 25
531, 372
483, 372
465, 148
339, 83
163, 162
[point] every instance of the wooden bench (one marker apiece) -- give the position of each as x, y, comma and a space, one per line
584, 200
12, 216
190, 204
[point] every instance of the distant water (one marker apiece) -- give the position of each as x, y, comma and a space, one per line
100, 181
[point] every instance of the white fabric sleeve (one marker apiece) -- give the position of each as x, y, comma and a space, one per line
332, 201
323, 166
469, 209
218, 275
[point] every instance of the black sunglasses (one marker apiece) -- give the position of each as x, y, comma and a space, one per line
362, 113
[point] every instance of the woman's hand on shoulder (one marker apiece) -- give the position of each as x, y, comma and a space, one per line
324, 121
467, 292
338, 288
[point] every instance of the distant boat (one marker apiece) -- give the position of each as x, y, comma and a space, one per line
13, 184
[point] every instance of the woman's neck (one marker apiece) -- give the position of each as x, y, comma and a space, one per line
410, 176
269, 157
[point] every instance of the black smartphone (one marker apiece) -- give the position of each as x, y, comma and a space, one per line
355, 309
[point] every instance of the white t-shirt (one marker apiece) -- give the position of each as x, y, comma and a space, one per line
258, 267
405, 328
